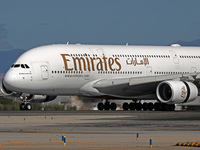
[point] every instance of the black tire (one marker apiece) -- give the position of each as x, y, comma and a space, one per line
138, 106
22, 106
156, 106
28, 107
165, 107
107, 106
145, 106
113, 106
171, 107
100, 106
125, 106
132, 106
150, 106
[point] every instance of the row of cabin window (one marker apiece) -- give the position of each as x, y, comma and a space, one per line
82, 55
120, 55
120, 72
156, 72
100, 72
63, 72
146, 56
184, 56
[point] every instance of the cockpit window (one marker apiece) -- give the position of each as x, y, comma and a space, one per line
24, 66
16, 65
27, 66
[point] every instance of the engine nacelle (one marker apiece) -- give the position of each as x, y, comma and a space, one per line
175, 92
40, 98
7, 92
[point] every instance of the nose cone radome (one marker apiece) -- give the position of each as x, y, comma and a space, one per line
9, 80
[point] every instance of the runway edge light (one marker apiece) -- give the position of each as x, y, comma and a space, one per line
137, 136
64, 140
150, 143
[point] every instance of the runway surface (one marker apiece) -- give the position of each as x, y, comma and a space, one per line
101, 130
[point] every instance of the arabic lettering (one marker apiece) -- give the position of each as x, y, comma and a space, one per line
135, 62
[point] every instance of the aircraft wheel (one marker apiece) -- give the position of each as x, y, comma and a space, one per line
132, 106
145, 106
22, 106
138, 106
150, 106
125, 106
171, 107
113, 106
107, 106
28, 107
100, 106
156, 106
165, 107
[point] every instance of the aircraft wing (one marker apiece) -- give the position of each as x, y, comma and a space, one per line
129, 87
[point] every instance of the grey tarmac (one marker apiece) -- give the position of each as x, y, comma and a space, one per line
101, 130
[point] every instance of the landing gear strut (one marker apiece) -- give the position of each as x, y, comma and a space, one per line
25, 105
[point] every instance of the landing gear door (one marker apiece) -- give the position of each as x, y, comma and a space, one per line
45, 72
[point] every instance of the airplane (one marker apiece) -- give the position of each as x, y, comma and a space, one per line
168, 74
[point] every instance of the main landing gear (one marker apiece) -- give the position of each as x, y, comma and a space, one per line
106, 106
25, 105
136, 106
148, 106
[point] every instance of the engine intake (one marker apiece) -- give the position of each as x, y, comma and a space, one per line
175, 92
6, 91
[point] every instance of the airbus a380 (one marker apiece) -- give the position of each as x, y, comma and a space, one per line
168, 74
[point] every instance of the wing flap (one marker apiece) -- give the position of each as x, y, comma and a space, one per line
137, 86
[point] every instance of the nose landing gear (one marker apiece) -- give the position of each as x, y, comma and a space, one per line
25, 105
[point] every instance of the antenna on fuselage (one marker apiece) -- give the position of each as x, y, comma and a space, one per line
126, 44
67, 42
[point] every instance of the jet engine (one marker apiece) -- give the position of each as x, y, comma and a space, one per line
7, 92
175, 92
32, 98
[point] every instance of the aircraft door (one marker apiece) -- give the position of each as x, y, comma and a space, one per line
101, 52
45, 72
87, 75
149, 70
193, 69
174, 56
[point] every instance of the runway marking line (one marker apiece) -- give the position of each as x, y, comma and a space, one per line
103, 140
8, 144
61, 132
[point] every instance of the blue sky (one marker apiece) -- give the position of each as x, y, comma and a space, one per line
26, 24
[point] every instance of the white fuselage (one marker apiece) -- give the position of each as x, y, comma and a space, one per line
67, 69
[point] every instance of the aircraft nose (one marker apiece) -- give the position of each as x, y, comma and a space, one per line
9, 80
